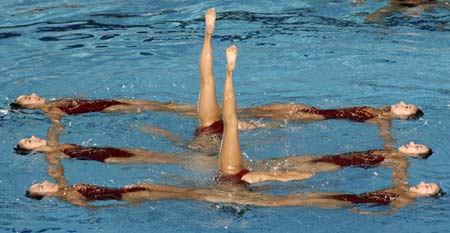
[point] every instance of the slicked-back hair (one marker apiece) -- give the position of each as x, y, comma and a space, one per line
416, 116
34, 195
21, 151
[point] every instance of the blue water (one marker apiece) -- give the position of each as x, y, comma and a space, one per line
316, 52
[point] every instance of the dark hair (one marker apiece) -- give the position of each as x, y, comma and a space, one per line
416, 116
426, 155
439, 194
34, 195
21, 151
15, 105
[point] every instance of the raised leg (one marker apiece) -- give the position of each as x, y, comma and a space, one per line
208, 107
230, 157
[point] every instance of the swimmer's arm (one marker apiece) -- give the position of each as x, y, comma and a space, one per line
156, 130
56, 170
283, 176
366, 212
54, 114
53, 134
188, 110
75, 198
55, 118
400, 174
81, 203
85, 204
395, 206
380, 14
384, 126
243, 125
386, 134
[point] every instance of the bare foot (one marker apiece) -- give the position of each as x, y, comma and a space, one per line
210, 20
231, 57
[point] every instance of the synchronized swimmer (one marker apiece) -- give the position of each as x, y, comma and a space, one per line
326, 163
299, 112
55, 109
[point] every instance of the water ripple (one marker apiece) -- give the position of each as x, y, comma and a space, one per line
74, 36
5, 35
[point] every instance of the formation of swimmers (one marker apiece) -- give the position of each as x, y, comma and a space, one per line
218, 133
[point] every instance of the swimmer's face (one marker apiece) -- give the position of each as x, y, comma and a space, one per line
415, 150
43, 189
404, 110
30, 100
425, 189
32, 143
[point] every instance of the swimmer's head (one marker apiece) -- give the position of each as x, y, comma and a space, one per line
426, 190
28, 101
416, 150
406, 111
28, 145
44, 189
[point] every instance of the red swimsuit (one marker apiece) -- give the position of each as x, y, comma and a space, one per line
359, 114
98, 193
364, 159
378, 198
215, 128
95, 153
71, 107
232, 179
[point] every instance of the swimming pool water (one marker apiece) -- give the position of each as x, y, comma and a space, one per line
320, 53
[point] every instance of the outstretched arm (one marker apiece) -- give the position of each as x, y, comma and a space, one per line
55, 116
366, 212
129, 106
400, 174
396, 205
53, 134
244, 125
156, 130
386, 134
83, 203
379, 15
283, 176
55, 169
